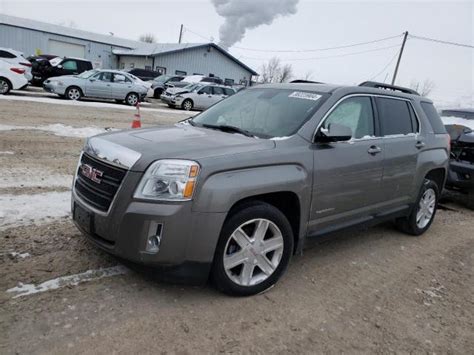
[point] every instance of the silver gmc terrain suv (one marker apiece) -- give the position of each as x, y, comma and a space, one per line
234, 192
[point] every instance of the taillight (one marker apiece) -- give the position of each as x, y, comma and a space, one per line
18, 70
26, 64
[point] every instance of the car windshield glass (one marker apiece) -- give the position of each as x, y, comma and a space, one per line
263, 112
162, 78
192, 87
87, 74
55, 61
133, 77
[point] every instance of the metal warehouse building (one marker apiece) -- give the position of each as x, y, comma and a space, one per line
104, 51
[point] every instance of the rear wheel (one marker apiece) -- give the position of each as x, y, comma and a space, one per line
254, 250
132, 99
187, 105
5, 86
73, 93
423, 213
157, 93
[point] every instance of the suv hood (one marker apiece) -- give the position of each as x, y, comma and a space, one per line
137, 149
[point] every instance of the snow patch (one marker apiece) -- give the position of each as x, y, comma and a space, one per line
57, 101
279, 138
14, 254
64, 281
24, 177
451, 120
61, 130
7, 152
20, 210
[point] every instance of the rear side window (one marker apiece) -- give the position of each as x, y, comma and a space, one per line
218, 91
433, 117
229, 92
395, 117
5, 54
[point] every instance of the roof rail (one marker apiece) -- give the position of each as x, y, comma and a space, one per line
374, 84
300, 81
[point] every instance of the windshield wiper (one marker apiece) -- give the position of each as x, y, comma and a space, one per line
227, 128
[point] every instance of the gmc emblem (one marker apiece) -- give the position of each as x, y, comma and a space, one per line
91, 173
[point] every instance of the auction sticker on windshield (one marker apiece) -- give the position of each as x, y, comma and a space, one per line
305, 95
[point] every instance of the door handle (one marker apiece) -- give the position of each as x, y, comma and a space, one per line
373, 150
420, 144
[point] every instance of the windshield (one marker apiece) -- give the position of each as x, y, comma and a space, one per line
263, 112
87, 74
192, 87
55, 61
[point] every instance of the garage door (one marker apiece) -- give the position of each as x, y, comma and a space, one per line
64, 49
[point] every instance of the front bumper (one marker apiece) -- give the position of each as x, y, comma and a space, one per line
54, 89
460, 175
188, 238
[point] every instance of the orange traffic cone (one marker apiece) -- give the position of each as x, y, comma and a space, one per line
136, 123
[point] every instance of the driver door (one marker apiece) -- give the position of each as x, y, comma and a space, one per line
204, 98
347, 176
99, 85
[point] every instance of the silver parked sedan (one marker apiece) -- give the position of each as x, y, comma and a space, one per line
104, 84
198, 96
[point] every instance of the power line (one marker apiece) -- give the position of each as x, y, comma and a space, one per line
386, 66
186, 29
317, 49
441, 41
326, 57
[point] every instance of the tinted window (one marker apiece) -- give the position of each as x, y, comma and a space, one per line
433, 117
394, 116
206, 90
218, 91
70, 65
229, 92
355, 113
5, 54
180, 72
104, 76
229, 82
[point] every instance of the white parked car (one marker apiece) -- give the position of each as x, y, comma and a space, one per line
196, 96
14, 57
12, 77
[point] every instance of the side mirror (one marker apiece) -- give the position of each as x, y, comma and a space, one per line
334, 133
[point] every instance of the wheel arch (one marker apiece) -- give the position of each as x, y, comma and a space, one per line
8, 81
438, 176
74, 86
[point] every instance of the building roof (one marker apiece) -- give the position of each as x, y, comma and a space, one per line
67, 31
129, 47
157, 49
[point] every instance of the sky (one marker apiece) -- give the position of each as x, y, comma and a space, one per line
316, 25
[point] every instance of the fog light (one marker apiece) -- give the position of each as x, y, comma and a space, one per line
154, 237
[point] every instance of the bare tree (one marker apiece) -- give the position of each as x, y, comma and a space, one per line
308, 75
423, 88
275, 72
147, 38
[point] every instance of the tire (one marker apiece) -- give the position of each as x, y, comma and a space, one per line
73, 93
243, 274
157, 93
5, 86
423, 213
132, 99
187, 105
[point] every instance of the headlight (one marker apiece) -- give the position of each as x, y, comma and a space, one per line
56, 82
169, 180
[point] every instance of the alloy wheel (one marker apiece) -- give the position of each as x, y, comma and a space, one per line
426, 208
253, 252
3, 87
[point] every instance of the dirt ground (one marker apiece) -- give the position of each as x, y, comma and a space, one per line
364, 291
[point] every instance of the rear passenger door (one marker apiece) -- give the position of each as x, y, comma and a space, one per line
399, 126
218, 94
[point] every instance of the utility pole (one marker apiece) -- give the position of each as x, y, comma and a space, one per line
180, 33
399, 57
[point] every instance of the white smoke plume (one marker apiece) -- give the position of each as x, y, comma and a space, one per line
243, 15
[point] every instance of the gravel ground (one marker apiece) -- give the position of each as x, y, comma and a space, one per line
363, 291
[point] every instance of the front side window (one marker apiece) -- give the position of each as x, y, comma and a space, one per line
355, 113
70, 65
104, 76
395, 117
206, 90
264, 112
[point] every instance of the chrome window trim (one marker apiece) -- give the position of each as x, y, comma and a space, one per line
374, 137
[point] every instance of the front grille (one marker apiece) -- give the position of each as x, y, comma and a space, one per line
98, 194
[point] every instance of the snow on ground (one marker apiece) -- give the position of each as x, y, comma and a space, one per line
30, 177
58, 101
60, 130
451, 120
20, 210
65, 281
7, 152
15, 254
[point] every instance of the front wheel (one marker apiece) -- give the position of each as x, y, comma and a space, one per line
5, 86
254, 250
73, 93
424, 211
187, 105
131, 99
